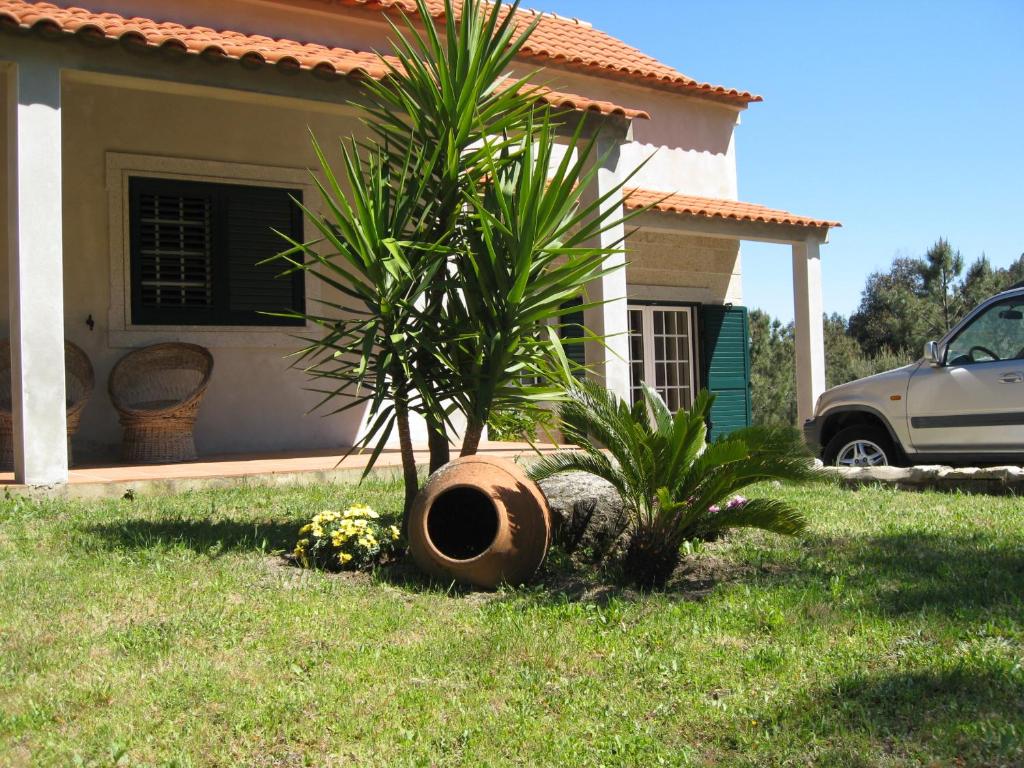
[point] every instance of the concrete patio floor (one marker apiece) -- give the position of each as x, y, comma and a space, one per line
306, 468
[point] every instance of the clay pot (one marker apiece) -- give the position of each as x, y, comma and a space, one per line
480, 521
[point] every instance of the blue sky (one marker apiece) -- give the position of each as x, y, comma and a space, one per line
903, 119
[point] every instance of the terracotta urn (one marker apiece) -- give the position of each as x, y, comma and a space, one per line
480, 521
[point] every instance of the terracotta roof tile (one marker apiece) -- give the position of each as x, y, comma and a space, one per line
576, 44
715, 208
236, 45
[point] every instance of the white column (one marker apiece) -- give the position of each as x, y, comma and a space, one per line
610, 362
35, 261
809, 327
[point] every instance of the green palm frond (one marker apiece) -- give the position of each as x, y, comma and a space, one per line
678, 485
767, 514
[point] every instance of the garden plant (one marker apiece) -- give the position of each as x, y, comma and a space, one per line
455, 238
676, 486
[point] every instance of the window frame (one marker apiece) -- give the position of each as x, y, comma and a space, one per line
647, 308
1013, 301
219, 314
120, 332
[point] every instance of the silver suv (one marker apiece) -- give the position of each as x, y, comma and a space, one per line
963, 403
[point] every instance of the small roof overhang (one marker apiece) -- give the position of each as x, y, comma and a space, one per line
731, 218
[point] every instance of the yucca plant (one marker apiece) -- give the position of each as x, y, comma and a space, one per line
531, 247
676, 486
451, 245
364, 352
449, 96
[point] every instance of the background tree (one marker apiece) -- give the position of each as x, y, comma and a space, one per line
895, 310
914, 301
942, 269
772, 374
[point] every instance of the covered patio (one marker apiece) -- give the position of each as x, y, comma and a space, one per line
116, 480
79, 121
734, 220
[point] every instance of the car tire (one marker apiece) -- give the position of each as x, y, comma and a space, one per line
861, 445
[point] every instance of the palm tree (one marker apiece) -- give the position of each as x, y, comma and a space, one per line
365, 352
529, 250
449, 97
450, 244
676, 486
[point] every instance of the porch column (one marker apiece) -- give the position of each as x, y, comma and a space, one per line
35, 262
610, 362
809, 327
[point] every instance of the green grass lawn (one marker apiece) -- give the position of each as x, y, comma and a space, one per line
161, 631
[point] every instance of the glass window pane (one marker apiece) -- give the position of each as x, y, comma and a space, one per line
996, 334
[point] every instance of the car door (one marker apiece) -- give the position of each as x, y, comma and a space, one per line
974, 401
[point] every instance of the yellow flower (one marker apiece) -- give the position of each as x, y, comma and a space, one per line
305, 529
344, 557
395, 533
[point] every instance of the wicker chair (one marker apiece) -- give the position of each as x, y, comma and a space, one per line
79, 381
157, 391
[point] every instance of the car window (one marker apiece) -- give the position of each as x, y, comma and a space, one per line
995, 334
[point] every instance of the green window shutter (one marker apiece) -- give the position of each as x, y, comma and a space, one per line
571, 332
725, 355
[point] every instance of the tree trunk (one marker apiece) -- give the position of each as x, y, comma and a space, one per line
412, 481
471, 441
440, 450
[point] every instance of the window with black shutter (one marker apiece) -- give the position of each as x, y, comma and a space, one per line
196, 250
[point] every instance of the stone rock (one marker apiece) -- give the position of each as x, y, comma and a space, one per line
986, 480
587, 513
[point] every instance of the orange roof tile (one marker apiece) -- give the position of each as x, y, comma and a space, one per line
236, 45
577, 45
715, 208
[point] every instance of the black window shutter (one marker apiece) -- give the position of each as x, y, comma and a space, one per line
172, 250
196, 249
251, 215
725, 347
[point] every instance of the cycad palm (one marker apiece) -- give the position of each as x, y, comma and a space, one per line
675, 484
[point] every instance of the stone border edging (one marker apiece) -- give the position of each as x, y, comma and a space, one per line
988, 480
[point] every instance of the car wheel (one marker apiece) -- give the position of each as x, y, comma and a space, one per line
860, 446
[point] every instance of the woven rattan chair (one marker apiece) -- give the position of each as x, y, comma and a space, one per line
79, 381
157, 391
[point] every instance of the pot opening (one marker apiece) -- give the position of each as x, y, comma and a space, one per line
462, 523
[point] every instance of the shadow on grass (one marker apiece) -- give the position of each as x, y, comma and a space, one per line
969, 715
969, 576
210, 537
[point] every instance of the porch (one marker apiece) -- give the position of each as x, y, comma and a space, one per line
115, 480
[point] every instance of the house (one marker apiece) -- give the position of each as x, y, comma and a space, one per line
121, 115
